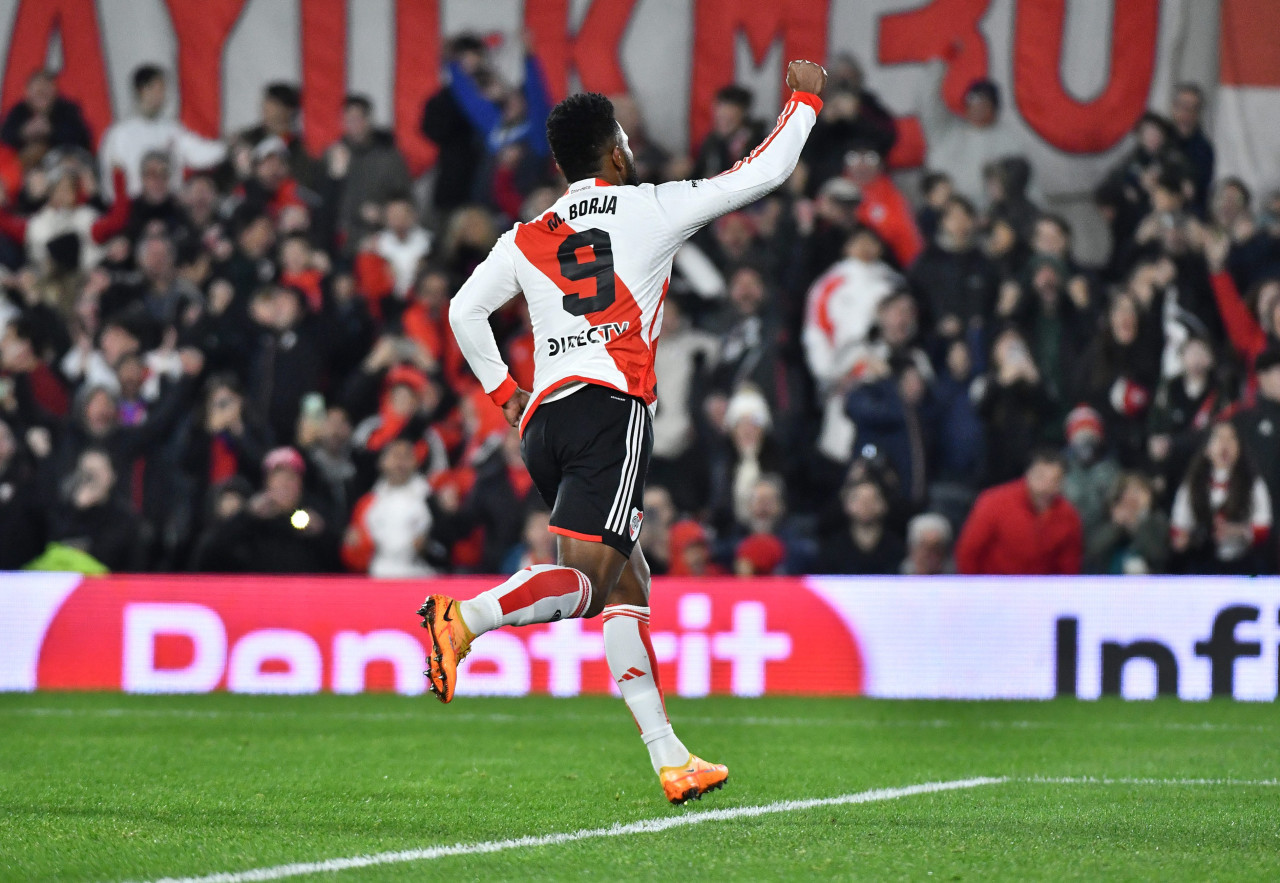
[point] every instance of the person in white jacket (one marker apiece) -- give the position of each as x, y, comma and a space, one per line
391, 525
127, 142
840, 313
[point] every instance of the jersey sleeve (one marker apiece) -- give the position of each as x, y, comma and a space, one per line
491, 286
691, 204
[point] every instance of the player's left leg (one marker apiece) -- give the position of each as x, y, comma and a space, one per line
634, 667
576, 587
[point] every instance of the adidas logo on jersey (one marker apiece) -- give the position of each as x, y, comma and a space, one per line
637, 518
595, 334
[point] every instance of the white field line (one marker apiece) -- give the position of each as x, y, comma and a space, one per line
1106, 780
645, 826
693, 720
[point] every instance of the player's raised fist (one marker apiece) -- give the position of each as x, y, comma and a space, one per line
805, 76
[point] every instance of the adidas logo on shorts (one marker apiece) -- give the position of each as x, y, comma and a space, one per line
637, 518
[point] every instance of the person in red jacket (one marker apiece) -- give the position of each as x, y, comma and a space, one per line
1023, 527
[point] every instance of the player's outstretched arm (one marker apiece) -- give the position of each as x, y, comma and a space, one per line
691, 204
490, 287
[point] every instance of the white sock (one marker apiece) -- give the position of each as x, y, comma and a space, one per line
542, 593
635, 670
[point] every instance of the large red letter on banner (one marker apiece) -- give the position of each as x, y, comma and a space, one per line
1057, 117
202, 31
324, 71
802, 24
594, 51
943, 29
417, 76
84, 74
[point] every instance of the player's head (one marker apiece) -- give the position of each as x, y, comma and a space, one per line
587, 141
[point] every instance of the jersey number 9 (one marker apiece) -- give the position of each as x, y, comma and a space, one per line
599, 267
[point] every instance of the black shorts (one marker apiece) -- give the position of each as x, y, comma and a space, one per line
588, 454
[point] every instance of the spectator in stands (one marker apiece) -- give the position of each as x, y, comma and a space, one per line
224, 441
1187, 114
655, 537
881, 205
1056, 317
682, 365
325, 442
225, 501
64, 236
1135, 536
1092, 473
1013, 405
759, 554
444, 123
840, 312
955, 283
1222, 512
91, 517
851, 117
962, 146
1249, 331
865, 545
765, 515
272, 187
928, 546
1251, 252
277, 531
747, 450
1185, 405
279, 110
1259, 424
897, 414
371, 170
936, 191
691, 551
36, 390
733, 132
510, 125
390, 529
402, 243
127, 141
1118, 375
961, 448
44, 120
21, 517
537, 543
157, 211
1005, 183
1025, 526
288, 356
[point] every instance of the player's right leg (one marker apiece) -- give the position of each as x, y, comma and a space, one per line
634, 668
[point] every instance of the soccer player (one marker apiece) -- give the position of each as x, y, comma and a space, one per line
594, 270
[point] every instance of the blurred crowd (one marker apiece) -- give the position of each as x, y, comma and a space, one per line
232, 355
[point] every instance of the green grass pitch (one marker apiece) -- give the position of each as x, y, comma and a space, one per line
110, 787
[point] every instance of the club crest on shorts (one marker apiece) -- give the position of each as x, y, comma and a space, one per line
637, 518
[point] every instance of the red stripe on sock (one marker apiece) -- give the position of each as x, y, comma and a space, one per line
642, 619
653, 667
584, 586
547, 584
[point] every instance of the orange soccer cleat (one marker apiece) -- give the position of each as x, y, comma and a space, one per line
450, 643
693, 779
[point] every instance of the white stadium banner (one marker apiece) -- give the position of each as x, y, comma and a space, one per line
957, 638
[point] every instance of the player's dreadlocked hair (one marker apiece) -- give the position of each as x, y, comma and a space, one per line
580, 129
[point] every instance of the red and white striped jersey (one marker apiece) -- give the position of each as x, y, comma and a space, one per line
595, 267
